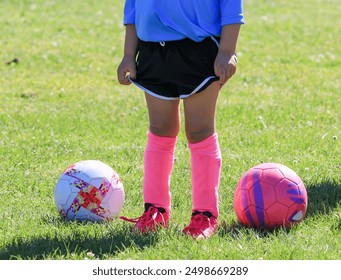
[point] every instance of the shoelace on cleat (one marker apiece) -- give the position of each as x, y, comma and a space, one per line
150, 214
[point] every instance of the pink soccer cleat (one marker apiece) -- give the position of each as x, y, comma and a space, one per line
203, 225
152, 219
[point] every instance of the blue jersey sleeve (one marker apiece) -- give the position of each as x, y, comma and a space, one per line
231, 12
129, 12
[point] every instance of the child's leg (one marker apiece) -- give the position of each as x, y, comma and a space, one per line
159, 152
204, 148
158, 165
206, 166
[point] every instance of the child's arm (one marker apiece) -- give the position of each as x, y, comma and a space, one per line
127, 66
225, 64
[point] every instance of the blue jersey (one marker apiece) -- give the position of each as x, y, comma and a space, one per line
170, 20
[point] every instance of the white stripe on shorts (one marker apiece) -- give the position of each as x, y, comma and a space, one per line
153, 93
182, 96
204, 82
215, 41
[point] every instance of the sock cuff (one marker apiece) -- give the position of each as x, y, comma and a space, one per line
208, 144
161, 141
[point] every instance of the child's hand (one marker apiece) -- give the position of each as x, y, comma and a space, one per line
225, 66
126, 70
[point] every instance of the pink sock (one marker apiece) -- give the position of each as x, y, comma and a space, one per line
158, 165
206, 165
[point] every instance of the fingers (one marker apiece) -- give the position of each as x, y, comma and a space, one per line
222, 75
126, 71
219, 71
124, 76
225, 74
132, 73
225, 70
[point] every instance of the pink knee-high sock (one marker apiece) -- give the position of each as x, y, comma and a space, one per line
158, 166
206, 166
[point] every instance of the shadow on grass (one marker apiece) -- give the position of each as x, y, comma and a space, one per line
75, 245
323, 198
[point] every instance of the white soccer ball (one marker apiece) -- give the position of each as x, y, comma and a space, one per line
89, 190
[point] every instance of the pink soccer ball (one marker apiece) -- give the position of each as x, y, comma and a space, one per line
270, 195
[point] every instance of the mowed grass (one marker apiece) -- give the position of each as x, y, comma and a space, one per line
62, 103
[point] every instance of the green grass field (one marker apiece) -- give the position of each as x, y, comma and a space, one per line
62, 103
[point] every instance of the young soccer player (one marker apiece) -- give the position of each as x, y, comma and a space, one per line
180, 49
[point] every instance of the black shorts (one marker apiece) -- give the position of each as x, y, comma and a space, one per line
176, 69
